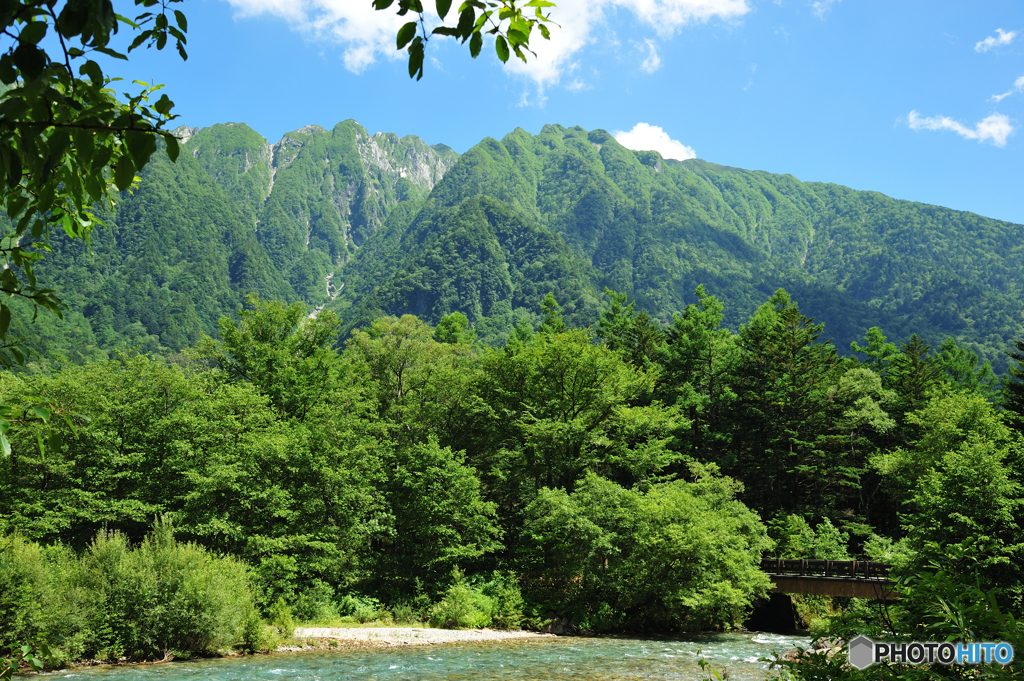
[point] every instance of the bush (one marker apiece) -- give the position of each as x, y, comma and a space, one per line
258, 637
506, 600
406, 613
362, 609
316, 603
112, 602
462, 607
280, 616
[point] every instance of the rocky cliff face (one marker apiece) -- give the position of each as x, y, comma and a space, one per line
315, 196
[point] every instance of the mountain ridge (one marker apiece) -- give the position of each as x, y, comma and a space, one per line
361, 224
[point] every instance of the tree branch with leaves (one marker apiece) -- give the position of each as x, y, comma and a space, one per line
510, 23
68, 144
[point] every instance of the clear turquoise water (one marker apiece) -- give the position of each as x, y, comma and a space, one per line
598, 659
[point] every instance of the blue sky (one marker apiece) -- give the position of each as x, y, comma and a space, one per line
919, 100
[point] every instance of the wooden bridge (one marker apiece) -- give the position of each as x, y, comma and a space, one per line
856, 578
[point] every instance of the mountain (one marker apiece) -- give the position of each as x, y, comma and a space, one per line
233, 215
369, 225
656, 228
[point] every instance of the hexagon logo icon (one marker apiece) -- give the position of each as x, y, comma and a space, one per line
862, 652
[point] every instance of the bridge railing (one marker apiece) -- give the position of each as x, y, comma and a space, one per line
849, 569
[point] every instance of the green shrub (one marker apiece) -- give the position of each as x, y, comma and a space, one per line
604, 554
507, 603
23, 582
462, 607
280, 616
316, 603
406, 613
258, 636
362, 609
113, 601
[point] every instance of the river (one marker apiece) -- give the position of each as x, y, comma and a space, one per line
595, 659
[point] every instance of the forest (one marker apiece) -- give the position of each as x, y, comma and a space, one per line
629, 475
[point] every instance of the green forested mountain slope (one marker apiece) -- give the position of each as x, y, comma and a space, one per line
316, 195
234, 215
482, 258
655, 229
174, 257
376, 224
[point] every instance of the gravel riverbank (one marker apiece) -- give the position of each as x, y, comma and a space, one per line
322, 637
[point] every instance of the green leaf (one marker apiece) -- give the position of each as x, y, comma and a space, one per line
442, 8
124, 173
539, 3
466, 21
163, 105
517, 37
180, 18
92, 71
416, 58
5, 320
406, 33
382, 4
139, 39
172, 147
8, 72
141, 145
72, 19
5, 445
32, 33
30, 60
475, 43
111, 53
501, 47
41, 412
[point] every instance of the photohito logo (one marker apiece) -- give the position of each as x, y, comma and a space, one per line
864, 652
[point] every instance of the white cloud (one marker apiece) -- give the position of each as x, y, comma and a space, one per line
1004, 38
645, 137
652, 62
820, 8
995, 127
577, 85
1018, 85
366, 34
668, 16
578, 20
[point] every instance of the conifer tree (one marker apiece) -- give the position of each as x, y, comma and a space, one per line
784, 382
697, 361
1013, 387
